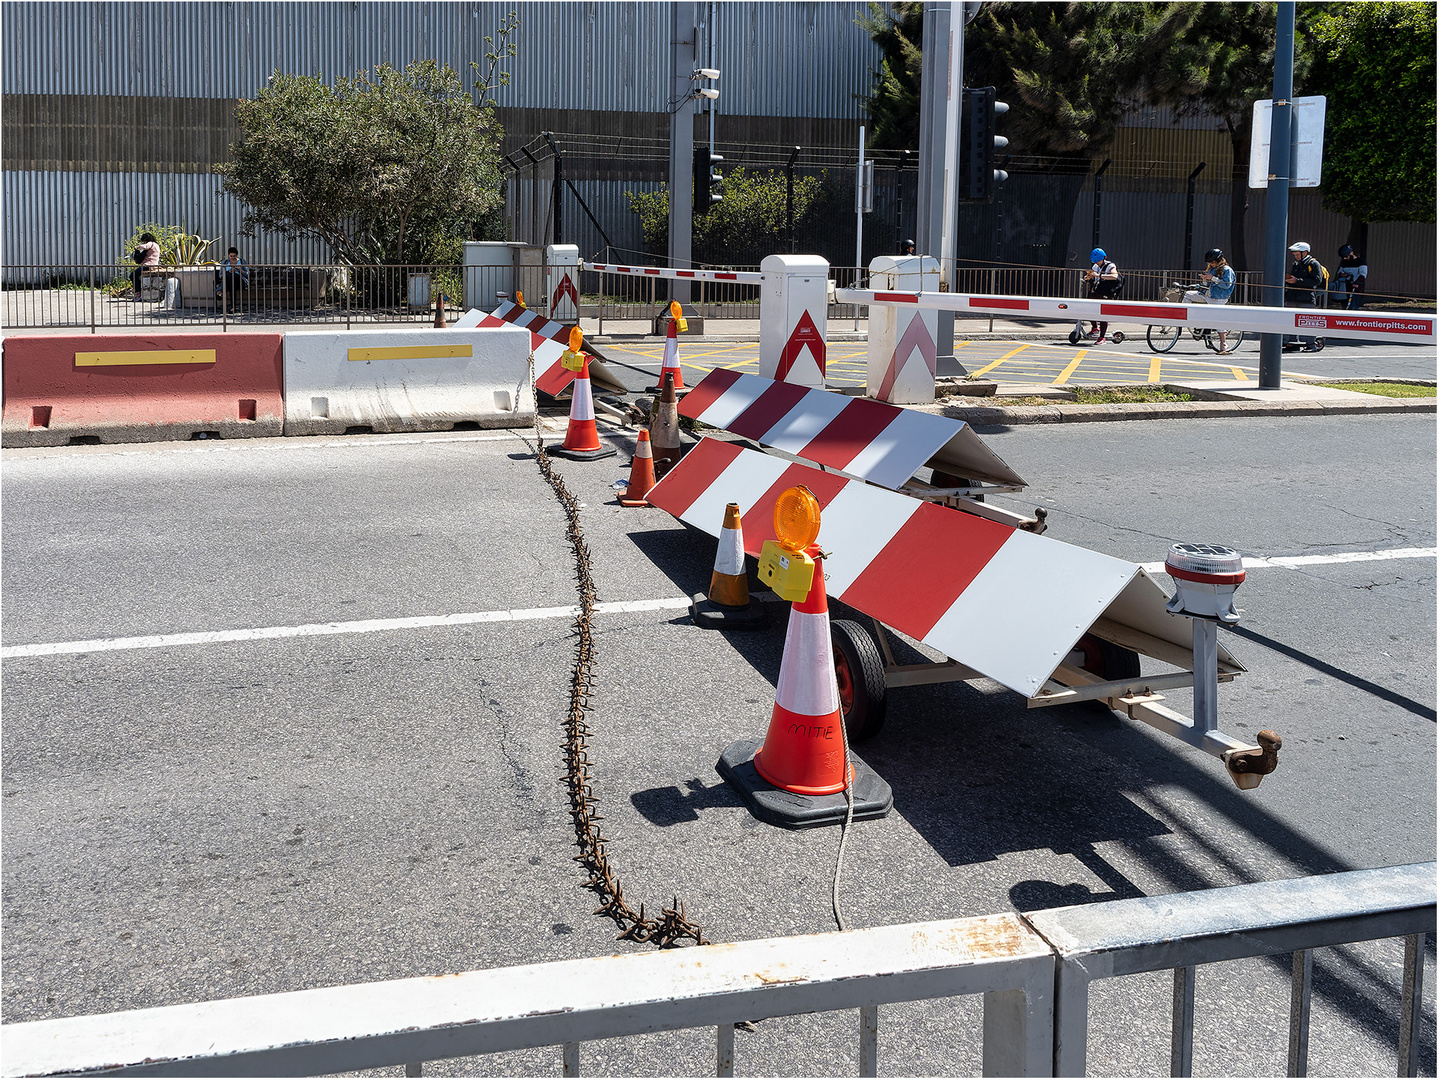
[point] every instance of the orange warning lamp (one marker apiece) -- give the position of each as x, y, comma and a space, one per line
520, 299
681, 323
783, 564
572, 359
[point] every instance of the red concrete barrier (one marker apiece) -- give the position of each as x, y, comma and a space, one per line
141, 388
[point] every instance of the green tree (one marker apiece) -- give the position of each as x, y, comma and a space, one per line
1376, 68
384, 167
752, 217
893, 103
1218, 60
1068, 71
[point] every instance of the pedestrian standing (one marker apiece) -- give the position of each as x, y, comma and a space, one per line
1305, 275
1352, 273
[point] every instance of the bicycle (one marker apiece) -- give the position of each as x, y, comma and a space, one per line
1161, 338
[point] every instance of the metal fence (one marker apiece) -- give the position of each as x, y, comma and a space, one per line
1032, 971
250, 296
103, 296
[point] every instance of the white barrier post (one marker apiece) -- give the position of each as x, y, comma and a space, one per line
563, 284
793, 305
903, 341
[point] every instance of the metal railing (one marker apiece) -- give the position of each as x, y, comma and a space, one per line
1033, 972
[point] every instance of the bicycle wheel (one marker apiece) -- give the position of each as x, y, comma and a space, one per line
1162, 338
1232, 340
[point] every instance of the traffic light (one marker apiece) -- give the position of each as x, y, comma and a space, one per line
977, 144
706, 180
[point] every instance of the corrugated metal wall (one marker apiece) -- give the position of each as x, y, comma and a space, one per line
779, 59
782, 59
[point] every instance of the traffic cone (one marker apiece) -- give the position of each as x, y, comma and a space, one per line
671, 363
728, 605
642, 473
582, 438
665, 428
798, 775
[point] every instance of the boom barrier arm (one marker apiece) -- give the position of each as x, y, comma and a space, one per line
747, 277
1313, 322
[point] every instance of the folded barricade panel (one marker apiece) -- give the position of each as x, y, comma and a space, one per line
1007, 603
140, 388
406, 380
548, 341
870, 439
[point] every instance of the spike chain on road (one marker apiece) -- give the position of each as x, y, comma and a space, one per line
672, 927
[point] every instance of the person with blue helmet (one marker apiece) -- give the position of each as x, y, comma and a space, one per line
1104, 284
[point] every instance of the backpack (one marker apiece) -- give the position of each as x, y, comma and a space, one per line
1108, 290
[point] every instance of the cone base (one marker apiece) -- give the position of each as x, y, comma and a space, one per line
625, 500
707, 613
872, 795
581, 455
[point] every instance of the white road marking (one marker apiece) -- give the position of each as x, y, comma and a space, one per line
1291, 561
237, 445
664, 603
362, 626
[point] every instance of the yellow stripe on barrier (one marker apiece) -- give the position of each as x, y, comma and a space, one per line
156, 356
412, 352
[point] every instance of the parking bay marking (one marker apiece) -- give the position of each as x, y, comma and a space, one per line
666, 603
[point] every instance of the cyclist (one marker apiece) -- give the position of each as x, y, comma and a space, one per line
1104, 284
1217, 285
1304, 276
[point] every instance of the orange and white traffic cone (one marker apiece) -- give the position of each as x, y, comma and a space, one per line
728, 605
671, 363
798, 776
665, 428
642, 473
582, 438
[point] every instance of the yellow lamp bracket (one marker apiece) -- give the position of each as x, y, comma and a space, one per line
681, 323
572, 359
787, 573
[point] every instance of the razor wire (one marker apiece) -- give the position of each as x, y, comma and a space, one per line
673, 926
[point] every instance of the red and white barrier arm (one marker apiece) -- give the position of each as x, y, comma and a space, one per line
747, 277
1313, 322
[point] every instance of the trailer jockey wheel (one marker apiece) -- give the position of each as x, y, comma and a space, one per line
1109, 661
859, 671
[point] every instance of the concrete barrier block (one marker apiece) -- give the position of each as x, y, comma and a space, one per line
406, 380
114, 388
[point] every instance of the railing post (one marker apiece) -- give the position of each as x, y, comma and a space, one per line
724, 1050
92, 299
1181, 1035
869, 1040
1071, 1019
1299, 990
1411, 1007
1019, 1025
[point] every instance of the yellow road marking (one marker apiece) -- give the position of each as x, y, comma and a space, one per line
1002, 359
1239, 374
157, 356
412, 352
1154, 369
1069, 370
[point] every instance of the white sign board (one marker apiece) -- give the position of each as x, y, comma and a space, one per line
1308, 155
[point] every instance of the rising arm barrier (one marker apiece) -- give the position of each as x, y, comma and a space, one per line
1369, 325
1034, 973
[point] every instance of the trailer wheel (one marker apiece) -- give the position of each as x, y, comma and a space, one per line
859, 671
1108, 660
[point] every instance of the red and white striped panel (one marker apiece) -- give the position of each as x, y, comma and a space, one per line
1007, 603
870, 439
548, 341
